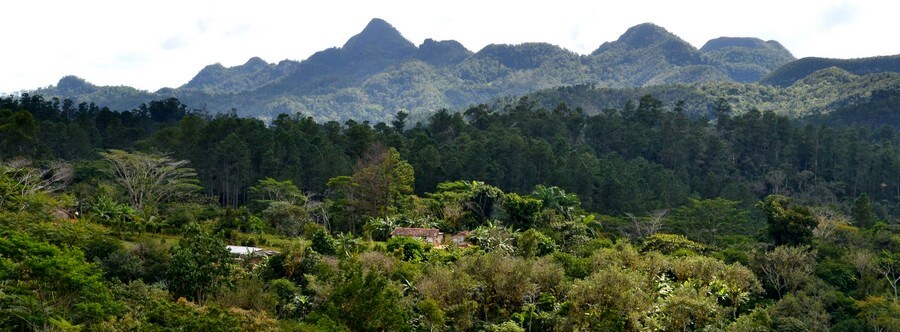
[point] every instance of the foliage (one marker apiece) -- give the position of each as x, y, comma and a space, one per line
788, 224
477, 201
407, 248
799, 69
42, 284
323, 243
861, 211
786, 268
493, 238
673, 244
609, 299
521, 211
269, 190
285, 218
556, 199
709, 220
549, 246
380, 228
107, 211
200, 266
532, 243
380, 177
880, 313
24, 187
150, 179
366, 302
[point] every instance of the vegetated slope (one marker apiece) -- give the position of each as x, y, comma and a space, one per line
797, 70
379, 72
746, 59
881, 109
821, 92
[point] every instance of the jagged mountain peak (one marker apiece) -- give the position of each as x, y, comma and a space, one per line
644, 34
379, 36
256, 62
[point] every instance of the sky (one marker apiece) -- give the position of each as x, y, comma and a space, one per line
164, 43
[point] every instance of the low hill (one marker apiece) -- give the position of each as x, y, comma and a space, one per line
820, 93
797, 70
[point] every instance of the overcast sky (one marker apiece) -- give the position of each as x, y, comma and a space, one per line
163, 43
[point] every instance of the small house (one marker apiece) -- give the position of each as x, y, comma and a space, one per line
459, 239
243, 251
429, 235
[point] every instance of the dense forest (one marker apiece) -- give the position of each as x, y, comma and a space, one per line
639, 217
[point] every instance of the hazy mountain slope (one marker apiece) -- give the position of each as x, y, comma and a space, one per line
249, 76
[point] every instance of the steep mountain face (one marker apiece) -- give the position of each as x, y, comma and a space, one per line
642, 53
378, 72
746, 59
379, 45
797, 70
379, 40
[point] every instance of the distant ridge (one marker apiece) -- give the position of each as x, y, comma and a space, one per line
378, 72
794, 71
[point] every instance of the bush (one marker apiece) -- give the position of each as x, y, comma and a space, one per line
121, 217
406, 248
285, 218
533, 243
248, 294
323, 243
575, 267
672, 243
521, 211
509, 326
380, 228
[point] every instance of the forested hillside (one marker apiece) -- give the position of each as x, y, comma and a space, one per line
830, 90
640, 216
797, 70
379, 72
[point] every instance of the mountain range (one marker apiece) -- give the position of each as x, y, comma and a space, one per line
379, 72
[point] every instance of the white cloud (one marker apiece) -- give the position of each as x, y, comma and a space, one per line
839, 15
164, 43
174, 42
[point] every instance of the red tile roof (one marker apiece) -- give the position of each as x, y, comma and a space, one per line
416, 232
